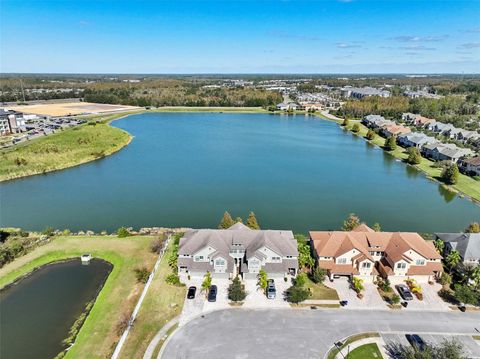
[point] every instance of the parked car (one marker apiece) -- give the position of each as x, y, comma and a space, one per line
212, 294
191, 292
271, 291
404, 292
416, 341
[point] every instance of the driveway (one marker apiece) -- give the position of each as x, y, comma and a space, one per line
300, 333
256, 299
198, 306
371, 298
431, 300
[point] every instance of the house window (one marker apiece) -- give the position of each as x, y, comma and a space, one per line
378, 253
342, 260
198, 258
366, 265
401, 265
219, 262
275, 258
420, 262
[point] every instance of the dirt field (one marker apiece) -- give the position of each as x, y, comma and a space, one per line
71, 108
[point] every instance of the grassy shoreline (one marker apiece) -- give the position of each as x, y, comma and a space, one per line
466, 186
97, 336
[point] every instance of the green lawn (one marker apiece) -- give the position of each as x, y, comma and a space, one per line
334, 351
367, 351
162, 303
97, 337
320, 291
466, 185
63, 149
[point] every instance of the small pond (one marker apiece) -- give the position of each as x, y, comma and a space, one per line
37, 312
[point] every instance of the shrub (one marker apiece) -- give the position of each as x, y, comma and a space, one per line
49, 231
395, 299
351, 222
142, 274
345, 123
122, 323
122, 232
370, 135
156, 245
356, 128
236, 291
173, 279
262, 279
318, 275
297, 294
445, 279
301, 279
357, 284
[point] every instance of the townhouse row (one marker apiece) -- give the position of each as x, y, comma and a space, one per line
362, 252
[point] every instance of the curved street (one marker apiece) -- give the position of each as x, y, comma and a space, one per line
290, 333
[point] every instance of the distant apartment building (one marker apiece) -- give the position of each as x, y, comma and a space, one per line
418, 94
361, 92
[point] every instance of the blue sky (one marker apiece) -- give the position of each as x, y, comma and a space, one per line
337, 36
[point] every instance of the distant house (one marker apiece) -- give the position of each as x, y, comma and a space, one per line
442, 128
466, 244
365, 253
288, 106
238, 250
415, 139
363, 92
376, 121
470, 166
394, 130
445, 152
417, 120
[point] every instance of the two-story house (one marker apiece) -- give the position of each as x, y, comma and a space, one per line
238, 250
365, 253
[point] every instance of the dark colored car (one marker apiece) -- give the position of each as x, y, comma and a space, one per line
404, 292
416, 341
271, 291
212, 294
191, 292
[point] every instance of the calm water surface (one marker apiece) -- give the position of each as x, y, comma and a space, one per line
37, 313
186, 169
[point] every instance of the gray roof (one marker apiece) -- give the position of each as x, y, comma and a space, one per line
467, 244
281, 242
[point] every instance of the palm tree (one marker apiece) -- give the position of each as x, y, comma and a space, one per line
439, 245
453, 259
207, 282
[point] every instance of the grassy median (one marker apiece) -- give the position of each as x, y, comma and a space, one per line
466, 185
64, 149
97, 337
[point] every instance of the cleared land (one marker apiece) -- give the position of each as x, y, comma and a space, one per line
97, 337
466, 185
162, 303
71, 108
321, 291
64, 149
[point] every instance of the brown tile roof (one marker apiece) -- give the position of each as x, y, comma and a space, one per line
427, 269
397, 129
362, 227
395, 244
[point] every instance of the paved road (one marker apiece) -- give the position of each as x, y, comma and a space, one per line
246, 334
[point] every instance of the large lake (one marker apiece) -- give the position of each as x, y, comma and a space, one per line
37, 313
186, 169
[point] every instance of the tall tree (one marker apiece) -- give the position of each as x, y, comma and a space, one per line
226, 222
252, 221
450, 174
370, 135
207, 281
414, 156
305, 260
351, 222
239, 220
439, 245
376, 227
236, 293
391, 143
